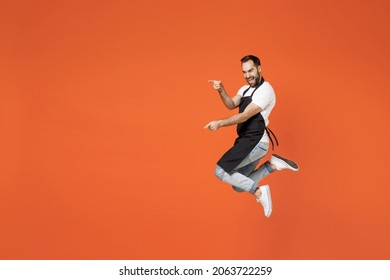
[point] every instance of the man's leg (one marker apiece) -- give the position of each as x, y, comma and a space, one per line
240, 176
242, 181
246, 171
262, 193
245, 178
264, 170
257, 154
236, 179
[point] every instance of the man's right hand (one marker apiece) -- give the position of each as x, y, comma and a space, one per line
217, 84
230, 103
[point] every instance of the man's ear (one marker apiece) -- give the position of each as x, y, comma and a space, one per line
259, 68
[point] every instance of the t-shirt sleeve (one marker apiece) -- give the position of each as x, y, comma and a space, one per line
264, 96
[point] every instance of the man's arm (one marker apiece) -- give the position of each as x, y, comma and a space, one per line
230, 103
251, 110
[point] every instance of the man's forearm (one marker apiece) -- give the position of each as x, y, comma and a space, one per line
251, 110
226, 99
235, 119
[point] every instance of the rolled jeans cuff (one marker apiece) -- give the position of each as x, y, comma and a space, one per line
267, 165
253, 188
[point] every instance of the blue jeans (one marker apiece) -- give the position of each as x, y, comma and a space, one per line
244, 177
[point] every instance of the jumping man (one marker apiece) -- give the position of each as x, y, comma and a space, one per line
255, 103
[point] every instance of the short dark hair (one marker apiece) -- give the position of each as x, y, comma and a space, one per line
255, 59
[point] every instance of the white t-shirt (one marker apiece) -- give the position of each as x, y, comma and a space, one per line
265, 98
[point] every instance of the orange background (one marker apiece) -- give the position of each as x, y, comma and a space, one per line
103, 151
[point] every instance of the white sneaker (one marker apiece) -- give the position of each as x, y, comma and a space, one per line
265, 200
283, 163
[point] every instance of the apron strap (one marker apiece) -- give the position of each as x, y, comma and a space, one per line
245, 91
269, 132
258, 85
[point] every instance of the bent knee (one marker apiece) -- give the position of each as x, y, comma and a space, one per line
238, 189
219, 172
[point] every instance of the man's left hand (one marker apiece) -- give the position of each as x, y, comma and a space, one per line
214, 125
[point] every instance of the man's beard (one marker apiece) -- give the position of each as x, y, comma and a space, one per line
256, 81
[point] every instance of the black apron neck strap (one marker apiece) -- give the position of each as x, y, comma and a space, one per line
258, 85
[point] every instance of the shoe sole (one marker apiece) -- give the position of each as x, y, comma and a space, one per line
289, 162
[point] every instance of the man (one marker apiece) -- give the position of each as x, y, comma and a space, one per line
255, 103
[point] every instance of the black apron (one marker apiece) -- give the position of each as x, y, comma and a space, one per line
249, 135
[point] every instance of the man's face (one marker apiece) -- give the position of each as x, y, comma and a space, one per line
251, 73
